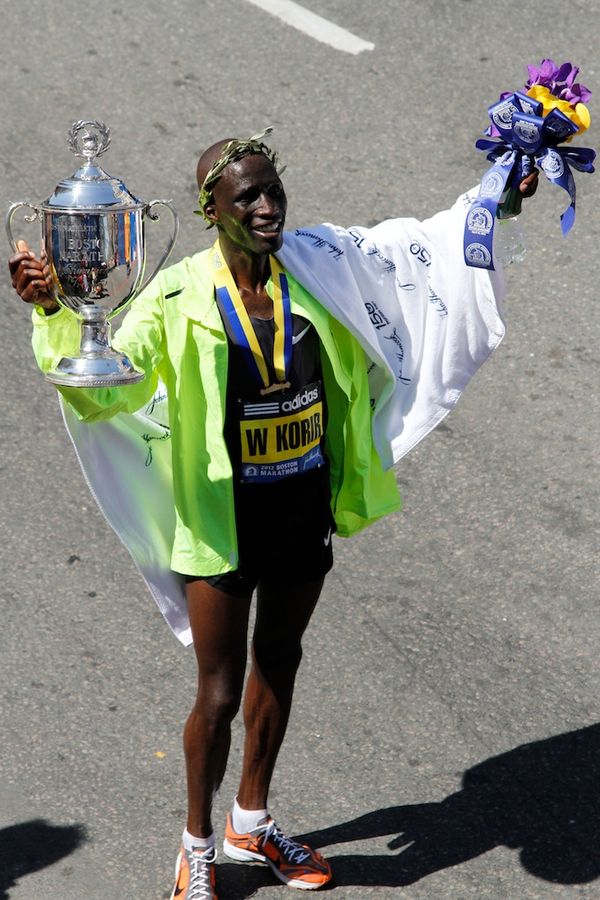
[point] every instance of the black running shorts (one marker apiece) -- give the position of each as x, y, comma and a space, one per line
284, 533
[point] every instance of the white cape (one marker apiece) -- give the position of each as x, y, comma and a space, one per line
425, 320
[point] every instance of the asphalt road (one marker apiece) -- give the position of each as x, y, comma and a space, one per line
444, 740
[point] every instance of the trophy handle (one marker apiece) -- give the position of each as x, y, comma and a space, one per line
155, 217
9, 217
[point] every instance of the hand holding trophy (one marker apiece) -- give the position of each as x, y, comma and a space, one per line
93, 235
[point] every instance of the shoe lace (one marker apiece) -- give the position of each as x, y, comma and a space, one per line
200, 887
292, 850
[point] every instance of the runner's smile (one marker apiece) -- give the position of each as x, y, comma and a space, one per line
269, 230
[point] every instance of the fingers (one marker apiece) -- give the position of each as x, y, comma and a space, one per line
31, 277
23, 253
528, 186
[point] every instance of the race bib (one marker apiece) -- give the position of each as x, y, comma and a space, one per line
282, 437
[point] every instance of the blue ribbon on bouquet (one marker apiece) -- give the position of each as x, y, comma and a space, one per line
526, 139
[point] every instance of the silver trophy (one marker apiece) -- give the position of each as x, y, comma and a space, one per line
93, 235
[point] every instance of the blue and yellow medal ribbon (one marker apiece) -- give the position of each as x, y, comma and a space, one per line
241, 325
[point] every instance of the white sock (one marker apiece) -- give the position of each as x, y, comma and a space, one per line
191, 842
244, 820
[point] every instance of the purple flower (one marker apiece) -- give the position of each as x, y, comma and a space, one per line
567, 74
544, 74
559, 80
576, 93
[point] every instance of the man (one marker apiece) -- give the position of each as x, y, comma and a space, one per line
279, 437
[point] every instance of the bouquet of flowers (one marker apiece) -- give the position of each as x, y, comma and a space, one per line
528, 128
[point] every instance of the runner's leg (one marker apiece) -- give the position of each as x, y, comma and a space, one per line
219, 624
283, 612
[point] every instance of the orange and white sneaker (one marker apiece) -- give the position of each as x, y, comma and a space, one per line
195, 875
295, 864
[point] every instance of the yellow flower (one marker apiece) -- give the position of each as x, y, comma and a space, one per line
580, 115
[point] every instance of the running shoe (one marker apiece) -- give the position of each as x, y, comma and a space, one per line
195, 875
295, 864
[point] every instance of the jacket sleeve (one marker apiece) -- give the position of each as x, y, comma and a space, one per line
140, 337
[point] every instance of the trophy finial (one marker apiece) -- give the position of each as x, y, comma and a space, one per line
94, 141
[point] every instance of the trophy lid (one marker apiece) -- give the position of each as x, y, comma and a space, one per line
90, 187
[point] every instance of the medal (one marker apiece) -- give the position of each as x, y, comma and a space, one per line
233, 308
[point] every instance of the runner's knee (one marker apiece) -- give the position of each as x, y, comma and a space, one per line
218, 701
278, 657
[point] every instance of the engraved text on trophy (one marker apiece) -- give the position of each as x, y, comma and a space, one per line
95, 257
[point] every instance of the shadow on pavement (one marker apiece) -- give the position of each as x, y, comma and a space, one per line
30, 846
542, 799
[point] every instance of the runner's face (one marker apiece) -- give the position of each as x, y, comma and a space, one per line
250, 205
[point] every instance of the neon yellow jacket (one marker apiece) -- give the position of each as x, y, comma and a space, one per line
173, 332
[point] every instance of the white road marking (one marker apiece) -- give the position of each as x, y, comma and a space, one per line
315, 26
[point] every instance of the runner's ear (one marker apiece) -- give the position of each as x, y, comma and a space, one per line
210, 211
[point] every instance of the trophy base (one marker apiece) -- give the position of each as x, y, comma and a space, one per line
103, 370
